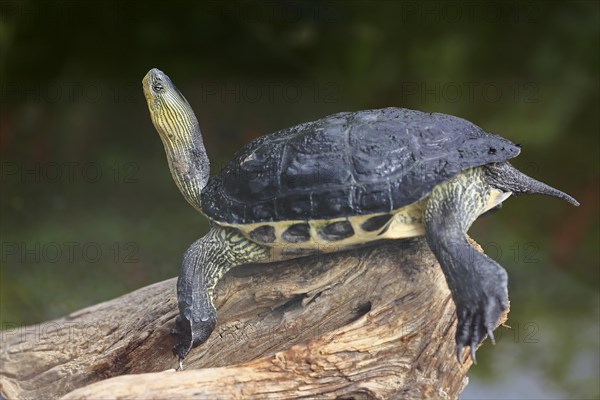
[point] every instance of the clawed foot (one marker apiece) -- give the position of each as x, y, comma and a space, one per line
182, 339
188, 334
478, 319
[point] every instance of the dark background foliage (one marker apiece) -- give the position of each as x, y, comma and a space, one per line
89, 210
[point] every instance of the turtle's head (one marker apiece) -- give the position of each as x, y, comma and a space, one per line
180, 133
171, 114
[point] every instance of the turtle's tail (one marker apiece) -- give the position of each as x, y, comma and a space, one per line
509, 179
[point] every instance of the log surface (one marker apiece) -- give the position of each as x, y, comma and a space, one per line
376, 322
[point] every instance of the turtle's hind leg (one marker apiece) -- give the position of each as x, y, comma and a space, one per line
477, 283
204, 263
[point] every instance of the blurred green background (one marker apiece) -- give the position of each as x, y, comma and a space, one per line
89, 210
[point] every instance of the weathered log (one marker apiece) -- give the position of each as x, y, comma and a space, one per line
376, 322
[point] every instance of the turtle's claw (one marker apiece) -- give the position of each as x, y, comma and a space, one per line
473, 355
459, 348
490, 333
474, 323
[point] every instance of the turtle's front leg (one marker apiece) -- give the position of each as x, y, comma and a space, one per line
204, 263
477, 283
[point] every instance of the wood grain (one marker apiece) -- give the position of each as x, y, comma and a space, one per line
376, 322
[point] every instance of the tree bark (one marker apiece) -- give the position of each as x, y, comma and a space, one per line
376, 322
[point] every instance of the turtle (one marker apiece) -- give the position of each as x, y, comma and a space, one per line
337, 183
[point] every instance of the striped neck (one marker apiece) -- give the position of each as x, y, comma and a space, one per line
179, 131
188, 163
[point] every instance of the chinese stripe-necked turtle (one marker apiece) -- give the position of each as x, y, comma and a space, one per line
336, 183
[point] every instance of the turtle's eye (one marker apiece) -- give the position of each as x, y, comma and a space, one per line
157, 87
